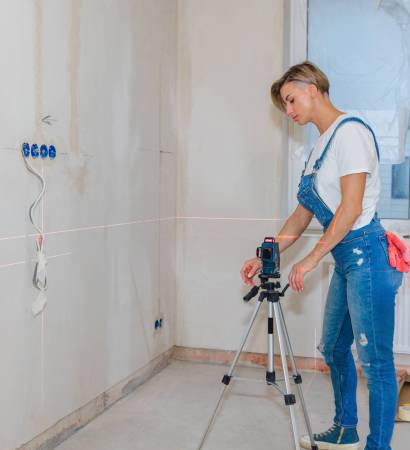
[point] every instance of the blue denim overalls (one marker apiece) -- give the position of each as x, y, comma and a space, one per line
359, 306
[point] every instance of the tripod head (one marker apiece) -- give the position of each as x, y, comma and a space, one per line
270, 289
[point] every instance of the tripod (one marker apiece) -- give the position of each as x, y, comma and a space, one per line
271, 293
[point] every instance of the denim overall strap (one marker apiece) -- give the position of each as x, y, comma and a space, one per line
307, 194
319, 161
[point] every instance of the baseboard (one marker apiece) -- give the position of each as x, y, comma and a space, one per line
70, 424
247, 358
225, 357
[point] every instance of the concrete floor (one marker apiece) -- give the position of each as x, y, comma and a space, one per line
172, 409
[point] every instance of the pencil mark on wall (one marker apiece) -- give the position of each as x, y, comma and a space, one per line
48, 120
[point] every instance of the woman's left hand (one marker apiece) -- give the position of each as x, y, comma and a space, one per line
299, 270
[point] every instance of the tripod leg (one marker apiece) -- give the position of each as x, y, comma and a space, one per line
227, 378
297, 377
245, 336
289, 397
270, 373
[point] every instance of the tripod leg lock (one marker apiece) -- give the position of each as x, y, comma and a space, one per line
290, 399
297, 378
226, 379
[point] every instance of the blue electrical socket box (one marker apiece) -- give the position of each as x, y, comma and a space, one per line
44, 151
34, 151
52, 153
26, 149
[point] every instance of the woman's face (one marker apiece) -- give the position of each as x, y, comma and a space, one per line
298, 100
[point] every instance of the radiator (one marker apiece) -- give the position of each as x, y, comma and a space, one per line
401, 343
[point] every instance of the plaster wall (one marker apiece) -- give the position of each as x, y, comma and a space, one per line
232, 175
105, 73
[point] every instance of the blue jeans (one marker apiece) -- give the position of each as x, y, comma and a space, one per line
360, 306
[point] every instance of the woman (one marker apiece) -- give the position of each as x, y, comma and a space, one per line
340, 186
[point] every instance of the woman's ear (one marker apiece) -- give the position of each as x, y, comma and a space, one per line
313, 91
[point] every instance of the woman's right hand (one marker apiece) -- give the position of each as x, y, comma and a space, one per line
250, 268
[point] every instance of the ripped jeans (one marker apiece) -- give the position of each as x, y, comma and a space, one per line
360, 306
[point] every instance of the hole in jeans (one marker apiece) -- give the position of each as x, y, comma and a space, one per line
363, 340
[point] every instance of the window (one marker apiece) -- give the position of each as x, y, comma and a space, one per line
363, 46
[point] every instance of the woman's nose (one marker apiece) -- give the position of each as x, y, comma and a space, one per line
289, 110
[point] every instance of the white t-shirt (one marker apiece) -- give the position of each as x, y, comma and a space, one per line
352, 151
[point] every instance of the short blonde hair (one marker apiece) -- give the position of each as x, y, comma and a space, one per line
305, 72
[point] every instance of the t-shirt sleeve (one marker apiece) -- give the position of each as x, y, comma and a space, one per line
355, 150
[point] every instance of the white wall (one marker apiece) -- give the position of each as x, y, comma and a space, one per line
231, 173
105, 71
108, 72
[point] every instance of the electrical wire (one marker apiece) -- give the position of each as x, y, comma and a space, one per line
40, 272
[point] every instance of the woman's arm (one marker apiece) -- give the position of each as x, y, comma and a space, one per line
349, 210
294, 226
